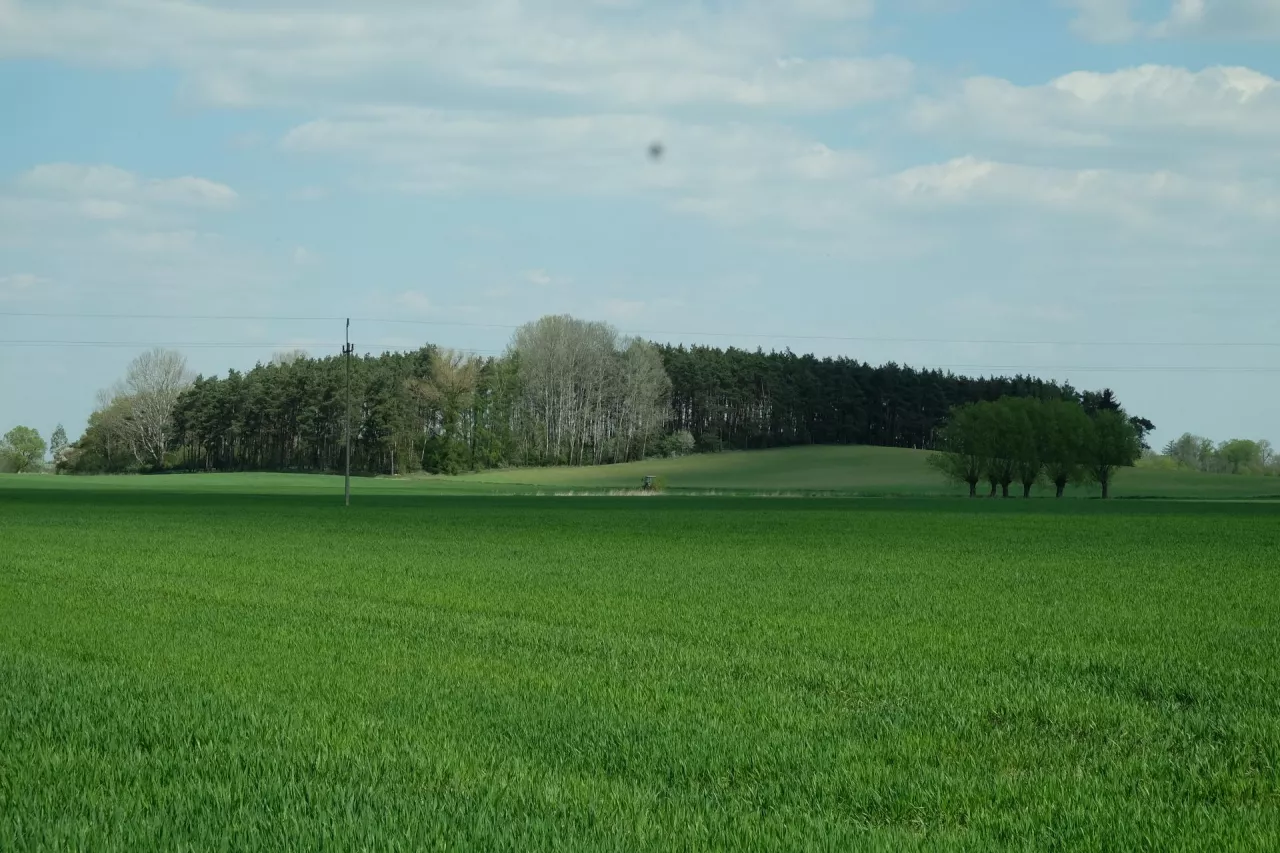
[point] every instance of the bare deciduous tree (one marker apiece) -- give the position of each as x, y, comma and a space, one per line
112, 408
645, 402
284, 358
588, 396
152, 386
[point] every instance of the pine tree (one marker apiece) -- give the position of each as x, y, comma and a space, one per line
58, 445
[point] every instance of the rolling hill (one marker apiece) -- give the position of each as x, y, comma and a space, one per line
847, 470
852, 470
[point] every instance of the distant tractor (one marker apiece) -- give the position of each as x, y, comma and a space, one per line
650, 483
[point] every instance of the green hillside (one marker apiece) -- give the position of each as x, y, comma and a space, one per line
850, 470
257, 484
871, 471
863, 470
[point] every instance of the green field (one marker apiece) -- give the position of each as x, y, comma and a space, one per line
209, 670
848, 471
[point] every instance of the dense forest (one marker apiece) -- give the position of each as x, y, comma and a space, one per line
566, 392
737, 399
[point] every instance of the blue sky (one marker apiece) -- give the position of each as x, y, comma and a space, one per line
928, 181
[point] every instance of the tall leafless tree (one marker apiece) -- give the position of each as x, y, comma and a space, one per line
284, 358
588, 396
151, 387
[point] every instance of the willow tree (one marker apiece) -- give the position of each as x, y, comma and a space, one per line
1112, 442
1063, 439
998, 427
1026, 439
961, 455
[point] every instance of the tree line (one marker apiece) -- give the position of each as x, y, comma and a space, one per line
1027, 441
1235, 456
739, 399
565, 392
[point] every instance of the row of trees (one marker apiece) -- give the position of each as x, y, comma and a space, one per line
22, 449
1028, 441
1236, 456
566, 392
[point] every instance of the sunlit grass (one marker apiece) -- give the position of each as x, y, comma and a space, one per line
211, 671
852, 471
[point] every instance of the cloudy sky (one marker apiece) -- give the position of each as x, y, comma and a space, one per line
1082, 189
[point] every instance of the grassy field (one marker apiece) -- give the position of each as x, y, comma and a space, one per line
850, 471
218, 671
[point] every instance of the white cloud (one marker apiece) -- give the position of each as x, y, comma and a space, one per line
20, 285
20, 281
1131, 198
106, 203
638, 54
196, 192
832, 10
1144, 219
1240, 19
1220, 119
415, 301
153, 243
111, 231
1104, 20
624, 309
1227, 87
786, 83
745, 176
103, 209
108, 230
1114, 20
107, 191
75, 179
437, 152
592, 81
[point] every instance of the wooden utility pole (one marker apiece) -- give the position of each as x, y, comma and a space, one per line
347, 349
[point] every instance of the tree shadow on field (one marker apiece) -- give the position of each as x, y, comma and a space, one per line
116, 497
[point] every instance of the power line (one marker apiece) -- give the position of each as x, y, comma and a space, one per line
973, 342
79, 316
248, 318
221, 345
1135, 369
1025, 368
687, 334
